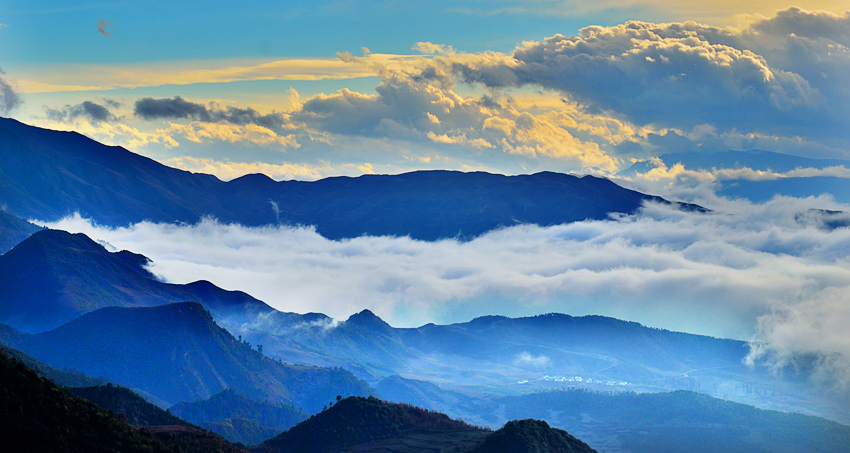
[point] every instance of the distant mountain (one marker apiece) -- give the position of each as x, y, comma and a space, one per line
48, 174
177, 353
13, 230
35, 415
496, 347
760, 190
238, 418
672, 422
53, 277
754, 159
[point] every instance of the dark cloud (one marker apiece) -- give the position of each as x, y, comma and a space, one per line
9, 98
86, 109
101, 28
179, 108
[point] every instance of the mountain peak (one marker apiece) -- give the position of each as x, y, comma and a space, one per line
367, 319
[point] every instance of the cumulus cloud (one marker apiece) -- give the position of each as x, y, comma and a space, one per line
784, 75
409, 107
88, 109
766, 272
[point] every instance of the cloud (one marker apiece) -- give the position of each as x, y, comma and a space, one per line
226, 170
177, 107
784, 75
46, 78
408, 107
760, 271
526, 359
101, 28
9, 98
87, 109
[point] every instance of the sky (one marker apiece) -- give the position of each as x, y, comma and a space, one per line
306, 90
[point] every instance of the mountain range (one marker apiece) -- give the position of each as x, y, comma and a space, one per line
177, 353
48, 174
228, 362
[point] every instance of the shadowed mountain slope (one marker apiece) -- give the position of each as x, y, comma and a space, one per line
177, 353
135, 409
240, 419
49, 174
53, 277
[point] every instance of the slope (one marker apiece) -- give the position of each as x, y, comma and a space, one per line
177, 353
53, 277
35, 415
49, 174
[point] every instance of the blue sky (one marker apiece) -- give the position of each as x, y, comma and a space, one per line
352, 87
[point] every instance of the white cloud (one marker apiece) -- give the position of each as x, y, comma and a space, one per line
526, 359
784, 75
743, 270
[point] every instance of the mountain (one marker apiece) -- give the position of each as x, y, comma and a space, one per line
49, 174
132, 407
53, 277
62, 378
35, 415
177, 353
13, 230
371, 425
238, 418
671, 422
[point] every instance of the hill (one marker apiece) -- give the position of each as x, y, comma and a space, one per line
238, 418
177, 353
49, 174
371, 425
531, 436
53, 277
35, 415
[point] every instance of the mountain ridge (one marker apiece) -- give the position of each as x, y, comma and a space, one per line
115, 187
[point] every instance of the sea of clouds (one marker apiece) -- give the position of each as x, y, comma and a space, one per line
776, 273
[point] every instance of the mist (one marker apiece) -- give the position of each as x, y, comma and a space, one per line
775, 272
